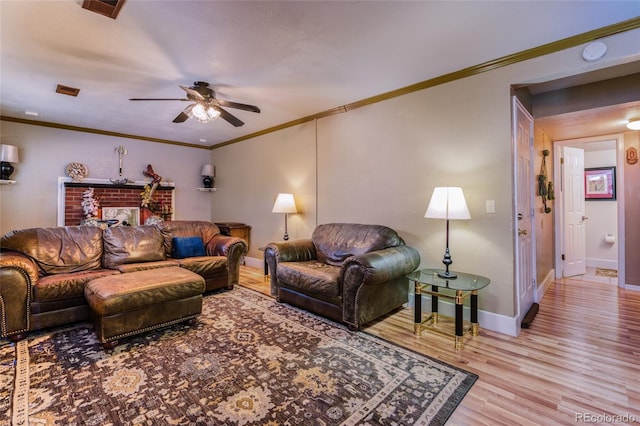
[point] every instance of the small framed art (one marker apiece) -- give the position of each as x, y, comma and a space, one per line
127, 216
600, 183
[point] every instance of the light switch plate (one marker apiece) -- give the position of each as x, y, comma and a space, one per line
491, 206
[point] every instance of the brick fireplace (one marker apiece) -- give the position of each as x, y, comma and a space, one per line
110, 195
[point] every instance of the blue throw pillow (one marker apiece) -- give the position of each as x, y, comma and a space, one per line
187, 247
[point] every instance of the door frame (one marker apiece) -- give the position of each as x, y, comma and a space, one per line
516, 107
559, 210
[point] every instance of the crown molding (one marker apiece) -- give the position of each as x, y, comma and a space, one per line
97, 131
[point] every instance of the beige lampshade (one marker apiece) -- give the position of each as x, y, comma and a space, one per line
447, 203
207, 170
285, 203
8, 153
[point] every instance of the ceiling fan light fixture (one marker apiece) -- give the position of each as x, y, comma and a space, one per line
634, 124
200, 113
213, 113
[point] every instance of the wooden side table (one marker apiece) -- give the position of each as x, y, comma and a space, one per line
427, 281
235, 229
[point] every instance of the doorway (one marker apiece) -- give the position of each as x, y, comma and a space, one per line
600, 258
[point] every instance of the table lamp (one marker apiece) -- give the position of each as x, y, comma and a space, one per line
447, 203
208, 174
285, 204
8, 155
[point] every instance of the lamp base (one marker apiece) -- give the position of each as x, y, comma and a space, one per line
447, 275
207, 181
5, 170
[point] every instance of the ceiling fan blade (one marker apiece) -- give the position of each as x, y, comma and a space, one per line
158, 99
184, 115
195, 94
236, 105
230, 117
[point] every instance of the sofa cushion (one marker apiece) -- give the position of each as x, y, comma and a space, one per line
335, 242
132, 244
58, 250
311, 277
186, 228
65, 286
204, 265
182, 247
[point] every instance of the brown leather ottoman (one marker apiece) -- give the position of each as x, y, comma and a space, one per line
131, 303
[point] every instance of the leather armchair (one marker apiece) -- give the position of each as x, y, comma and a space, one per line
350, 273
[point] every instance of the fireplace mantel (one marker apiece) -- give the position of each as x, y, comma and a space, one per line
130, 193
161, 187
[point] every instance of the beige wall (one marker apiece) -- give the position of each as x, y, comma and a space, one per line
545, 246
252, 173
380, 163
632, 207
44, 153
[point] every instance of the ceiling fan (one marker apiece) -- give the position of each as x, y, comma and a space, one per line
205, 106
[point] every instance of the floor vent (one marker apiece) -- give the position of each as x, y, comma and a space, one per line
109, 8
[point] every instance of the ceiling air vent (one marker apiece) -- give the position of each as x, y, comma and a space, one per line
109, 8
66, 90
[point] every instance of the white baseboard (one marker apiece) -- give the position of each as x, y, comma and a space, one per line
602, 263
544, 286
254, 262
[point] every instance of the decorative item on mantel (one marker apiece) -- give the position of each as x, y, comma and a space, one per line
121, 151
90, 204
76, 171
152, 211
91, 210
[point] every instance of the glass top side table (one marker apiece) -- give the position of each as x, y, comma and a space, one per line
427, 281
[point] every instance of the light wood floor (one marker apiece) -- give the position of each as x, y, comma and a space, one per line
579, 358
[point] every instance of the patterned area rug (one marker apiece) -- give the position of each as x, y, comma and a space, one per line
247, 361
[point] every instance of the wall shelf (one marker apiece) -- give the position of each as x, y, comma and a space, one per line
7, 182
207, 189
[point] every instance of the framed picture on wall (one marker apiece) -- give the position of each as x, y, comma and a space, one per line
126, 216
600, 183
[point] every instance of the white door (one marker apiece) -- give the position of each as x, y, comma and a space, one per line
574, 214
522, 135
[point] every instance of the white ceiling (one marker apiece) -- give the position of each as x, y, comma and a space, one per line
291, 58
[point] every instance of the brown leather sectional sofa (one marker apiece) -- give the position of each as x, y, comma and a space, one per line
43, 271
350, 273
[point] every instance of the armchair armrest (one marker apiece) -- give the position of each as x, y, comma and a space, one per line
379, 266
287, 251
375, 282
233, 248
222, 245
18, 273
